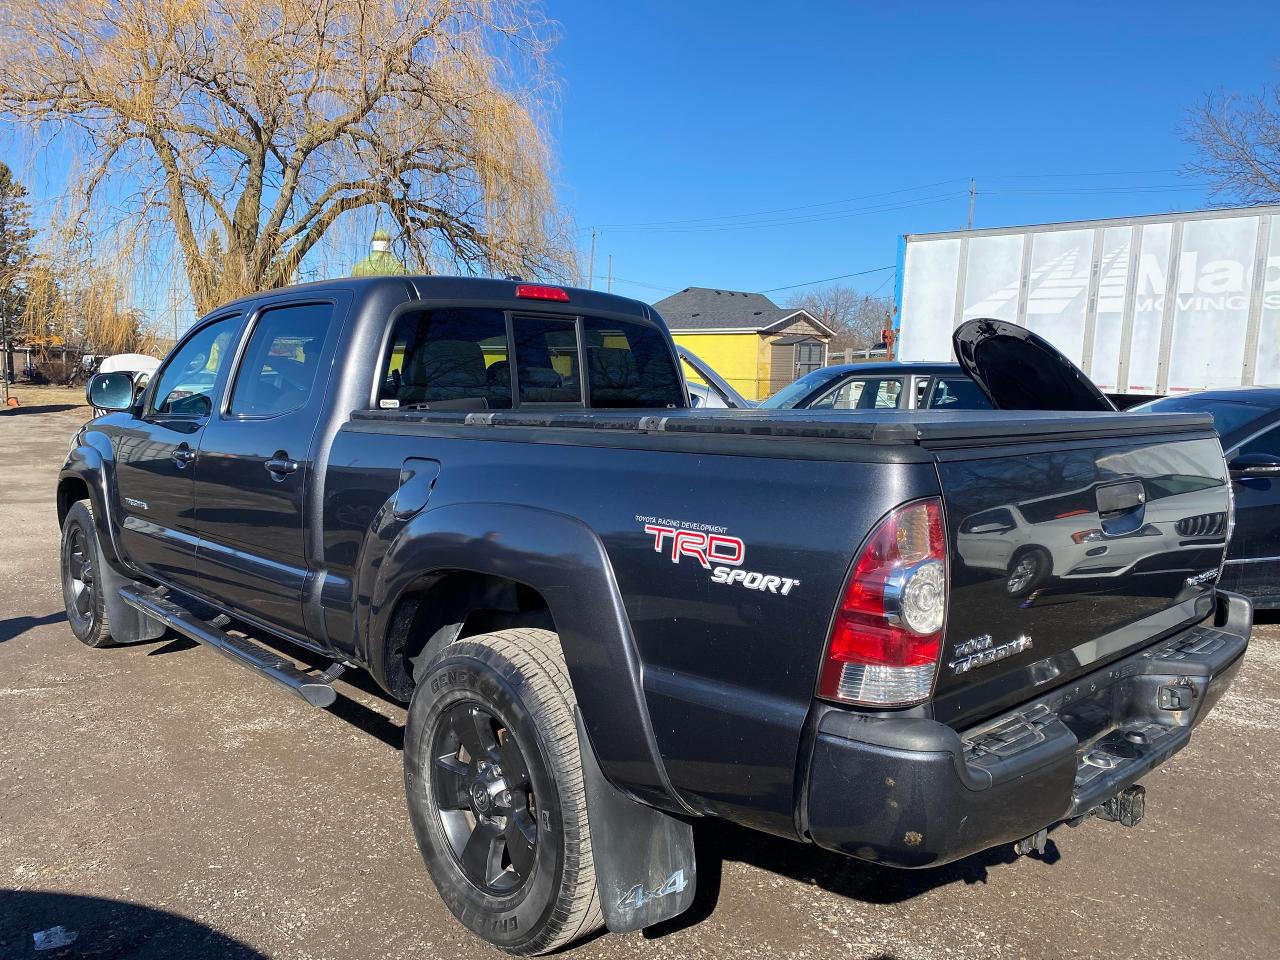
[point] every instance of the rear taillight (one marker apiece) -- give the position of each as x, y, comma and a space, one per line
887, 635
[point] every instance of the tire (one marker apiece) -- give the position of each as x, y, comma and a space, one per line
1027, 571
494, 783
81, 586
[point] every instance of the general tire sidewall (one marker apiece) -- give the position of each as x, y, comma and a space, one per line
78, 517
514, 920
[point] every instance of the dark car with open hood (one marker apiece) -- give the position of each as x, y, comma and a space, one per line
906, 636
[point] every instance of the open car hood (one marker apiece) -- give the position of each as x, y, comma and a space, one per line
1019, 370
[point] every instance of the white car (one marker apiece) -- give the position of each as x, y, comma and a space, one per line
1074, 536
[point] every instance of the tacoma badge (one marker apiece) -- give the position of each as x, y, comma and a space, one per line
980, 651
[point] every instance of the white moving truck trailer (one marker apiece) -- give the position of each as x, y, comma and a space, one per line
1144, 305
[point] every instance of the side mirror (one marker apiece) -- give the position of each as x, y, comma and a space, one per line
992, 527
1255, 465
110, 391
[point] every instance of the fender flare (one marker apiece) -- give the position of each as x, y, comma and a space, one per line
562, 558
88, 464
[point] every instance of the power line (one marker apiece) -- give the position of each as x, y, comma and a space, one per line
892, 276
637, 283
843, 276
1045, 176
764, 213
1086, 191
720, 221
796, 221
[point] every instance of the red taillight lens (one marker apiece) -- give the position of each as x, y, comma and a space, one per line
538, 291
887, 636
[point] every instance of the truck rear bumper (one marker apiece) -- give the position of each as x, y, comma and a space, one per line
912, 792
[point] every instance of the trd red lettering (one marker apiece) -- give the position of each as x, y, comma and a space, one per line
660, 533
732, 549
692, 544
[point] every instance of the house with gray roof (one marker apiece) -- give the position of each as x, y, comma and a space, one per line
758, 346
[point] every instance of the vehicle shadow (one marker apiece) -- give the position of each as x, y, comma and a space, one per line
352, 711
717, 842
42, 408
41, 923
14, 627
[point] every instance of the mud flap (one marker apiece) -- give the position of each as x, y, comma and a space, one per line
645, 866
127, 624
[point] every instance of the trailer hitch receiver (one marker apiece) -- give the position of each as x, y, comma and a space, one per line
1126, 808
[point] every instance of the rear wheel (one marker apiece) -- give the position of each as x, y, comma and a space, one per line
494, 783
81, 582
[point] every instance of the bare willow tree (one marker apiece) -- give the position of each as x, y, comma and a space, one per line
75, 305
1237, 143
247, 129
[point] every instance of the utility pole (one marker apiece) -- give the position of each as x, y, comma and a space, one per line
973, 192
6, 365
610, 273
591, 262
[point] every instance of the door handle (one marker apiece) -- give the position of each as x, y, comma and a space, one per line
182, 455
278, 467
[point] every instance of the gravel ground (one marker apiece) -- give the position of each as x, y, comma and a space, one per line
157, 801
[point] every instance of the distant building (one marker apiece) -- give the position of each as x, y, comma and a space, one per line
380, 262
758, 346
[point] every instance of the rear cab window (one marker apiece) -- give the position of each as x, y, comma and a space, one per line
467, 358
629, 365
547, 364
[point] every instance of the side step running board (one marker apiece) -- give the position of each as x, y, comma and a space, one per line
316, 689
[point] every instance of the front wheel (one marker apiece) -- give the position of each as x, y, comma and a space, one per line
81, 580
494, 783
1028, 571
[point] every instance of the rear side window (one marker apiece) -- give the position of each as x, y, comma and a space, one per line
873, 393
282, 361
629, 365
450, 359
547, 367
958, 393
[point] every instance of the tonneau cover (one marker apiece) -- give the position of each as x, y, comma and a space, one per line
926, 428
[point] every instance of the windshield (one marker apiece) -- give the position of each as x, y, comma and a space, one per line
793, 393
1228, 415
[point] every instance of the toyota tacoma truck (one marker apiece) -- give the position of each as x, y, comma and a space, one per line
612, 615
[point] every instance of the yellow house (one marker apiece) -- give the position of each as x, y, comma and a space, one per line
758, 346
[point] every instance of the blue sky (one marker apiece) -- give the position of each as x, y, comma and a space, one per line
688, 111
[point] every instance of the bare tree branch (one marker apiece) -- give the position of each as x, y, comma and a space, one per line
1237, 143
263, 126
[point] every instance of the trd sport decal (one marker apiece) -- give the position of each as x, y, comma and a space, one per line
715, 550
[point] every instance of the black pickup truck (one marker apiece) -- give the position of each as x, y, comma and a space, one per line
906, 636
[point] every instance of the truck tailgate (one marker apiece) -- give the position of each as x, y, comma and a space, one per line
1068, 556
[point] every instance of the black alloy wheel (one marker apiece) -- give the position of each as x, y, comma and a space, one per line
486, 803
81, 584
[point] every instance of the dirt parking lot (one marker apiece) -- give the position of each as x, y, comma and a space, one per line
158, 801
